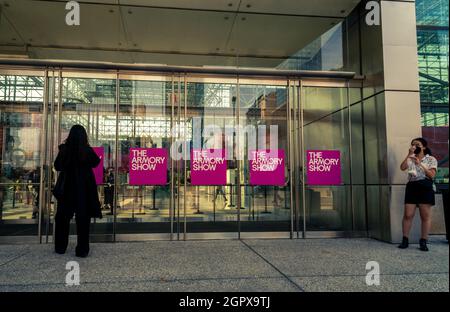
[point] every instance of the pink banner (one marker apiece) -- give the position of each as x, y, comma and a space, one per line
98, 171
148, 166
267, 167
208, 167
324, 167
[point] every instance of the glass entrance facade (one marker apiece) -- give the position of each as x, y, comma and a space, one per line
123, 110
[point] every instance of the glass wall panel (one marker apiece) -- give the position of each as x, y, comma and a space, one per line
354, 95
358, 170
375, 140
357, 152
21, 125
328, 208
273, 41
325, 127
351, 41
377, 210
359, 204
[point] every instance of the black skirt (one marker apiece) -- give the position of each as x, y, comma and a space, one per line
419, 192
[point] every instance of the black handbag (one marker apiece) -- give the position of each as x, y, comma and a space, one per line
58, 189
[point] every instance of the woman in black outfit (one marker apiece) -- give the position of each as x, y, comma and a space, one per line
419, 192
75, 160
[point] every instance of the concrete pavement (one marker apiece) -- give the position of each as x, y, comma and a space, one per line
278, 265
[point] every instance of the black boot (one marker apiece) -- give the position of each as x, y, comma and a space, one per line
404, 243
60, 251
423, 244
81, 253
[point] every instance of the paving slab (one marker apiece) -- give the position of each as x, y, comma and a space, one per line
146, 260
388, 283
350, 256
228, 265
205, 285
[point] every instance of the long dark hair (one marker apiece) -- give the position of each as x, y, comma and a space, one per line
424, 144
76, 144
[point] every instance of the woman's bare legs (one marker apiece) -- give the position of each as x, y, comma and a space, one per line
408, 216
425, 216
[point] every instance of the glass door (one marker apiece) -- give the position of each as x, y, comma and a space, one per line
89, 99
209, 187
234, 117
146, 120
263, 120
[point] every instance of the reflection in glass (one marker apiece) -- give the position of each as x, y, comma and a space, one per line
328, 208
91, 103
266, 208
21, 114
211, 208
146, 115
323, 53
326, 124
144, 122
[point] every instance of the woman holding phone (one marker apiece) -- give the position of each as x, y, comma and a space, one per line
419, 192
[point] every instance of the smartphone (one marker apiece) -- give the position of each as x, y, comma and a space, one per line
417, 150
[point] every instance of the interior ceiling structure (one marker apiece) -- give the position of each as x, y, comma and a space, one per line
174, 32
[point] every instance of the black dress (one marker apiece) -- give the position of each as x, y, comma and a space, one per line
80, 197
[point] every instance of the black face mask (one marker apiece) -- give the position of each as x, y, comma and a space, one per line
417, 150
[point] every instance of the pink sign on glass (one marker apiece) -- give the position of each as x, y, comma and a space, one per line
98, 171
267, 167
208, 167
323, 167
148, 166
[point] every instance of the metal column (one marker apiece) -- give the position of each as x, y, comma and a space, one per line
43, 145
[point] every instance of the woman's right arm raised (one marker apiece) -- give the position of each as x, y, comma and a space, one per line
404, 164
